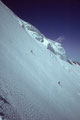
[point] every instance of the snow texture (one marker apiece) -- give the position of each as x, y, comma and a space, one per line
53, 46
36, 81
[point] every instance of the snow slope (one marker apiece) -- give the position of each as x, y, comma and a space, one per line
36, 81
53, 46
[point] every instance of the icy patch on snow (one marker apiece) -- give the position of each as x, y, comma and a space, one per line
0, 118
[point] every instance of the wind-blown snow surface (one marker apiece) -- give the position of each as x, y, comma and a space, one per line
35, 83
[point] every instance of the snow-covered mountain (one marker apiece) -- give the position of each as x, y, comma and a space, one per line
53, 46
37, 81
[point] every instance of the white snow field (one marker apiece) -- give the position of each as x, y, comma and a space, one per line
36, 80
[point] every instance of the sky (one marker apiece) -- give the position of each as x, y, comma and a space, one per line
54, 18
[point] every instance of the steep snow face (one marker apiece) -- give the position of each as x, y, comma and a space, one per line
53, 46
35, 84
33, 32
56, 48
